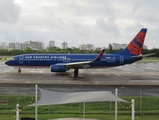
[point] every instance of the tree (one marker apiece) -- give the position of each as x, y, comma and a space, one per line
110, 48
28, 50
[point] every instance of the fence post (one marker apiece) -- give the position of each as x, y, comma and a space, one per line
36, 99
116, 105
140, 101
84, 110
17, 112
133, 109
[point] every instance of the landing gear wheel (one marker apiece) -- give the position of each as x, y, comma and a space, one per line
76, 73
19, 70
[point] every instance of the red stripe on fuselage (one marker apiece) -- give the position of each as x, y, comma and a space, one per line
29, 66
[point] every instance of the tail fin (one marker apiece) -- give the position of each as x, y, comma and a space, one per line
136, 45
99, 57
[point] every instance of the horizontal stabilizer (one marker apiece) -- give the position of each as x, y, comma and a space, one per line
141, 56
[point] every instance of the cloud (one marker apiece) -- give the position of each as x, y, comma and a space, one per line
9, 11
107, 26
78, 22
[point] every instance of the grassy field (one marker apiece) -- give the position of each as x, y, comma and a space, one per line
97, 116
149, 59
100, 110
5, 57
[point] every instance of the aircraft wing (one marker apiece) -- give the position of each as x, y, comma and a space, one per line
84, 64
78, 64
141, 56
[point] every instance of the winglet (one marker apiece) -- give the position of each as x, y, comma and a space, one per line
99, 57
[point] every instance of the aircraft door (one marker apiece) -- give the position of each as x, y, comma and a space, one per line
121, 59
21, 59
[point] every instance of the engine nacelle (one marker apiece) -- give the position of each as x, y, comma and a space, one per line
57, 68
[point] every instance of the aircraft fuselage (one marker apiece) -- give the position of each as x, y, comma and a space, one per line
46, 60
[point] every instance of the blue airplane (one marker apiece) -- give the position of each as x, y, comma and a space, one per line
64, 62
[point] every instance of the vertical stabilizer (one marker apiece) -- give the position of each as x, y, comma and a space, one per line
136, 45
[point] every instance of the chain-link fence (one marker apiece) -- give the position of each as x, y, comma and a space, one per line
146, 100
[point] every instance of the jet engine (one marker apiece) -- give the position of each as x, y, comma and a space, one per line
58, 68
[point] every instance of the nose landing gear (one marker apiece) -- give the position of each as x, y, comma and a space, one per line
19, 70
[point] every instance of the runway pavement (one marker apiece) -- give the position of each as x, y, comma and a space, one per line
136, 74
138, 79
131, 80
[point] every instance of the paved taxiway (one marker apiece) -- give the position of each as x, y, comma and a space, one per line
136, 74
129, 79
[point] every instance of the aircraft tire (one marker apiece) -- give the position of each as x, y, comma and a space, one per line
19, 70
76, 73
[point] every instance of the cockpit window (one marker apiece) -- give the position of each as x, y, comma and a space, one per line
12, 58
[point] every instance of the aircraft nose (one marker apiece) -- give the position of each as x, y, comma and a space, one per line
7, 62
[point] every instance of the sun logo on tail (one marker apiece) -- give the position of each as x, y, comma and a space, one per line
136, 45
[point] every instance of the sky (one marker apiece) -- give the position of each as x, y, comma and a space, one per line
97, 22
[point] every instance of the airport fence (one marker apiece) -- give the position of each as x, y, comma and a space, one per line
146, 102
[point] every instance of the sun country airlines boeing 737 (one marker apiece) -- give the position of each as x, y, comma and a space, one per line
64, 62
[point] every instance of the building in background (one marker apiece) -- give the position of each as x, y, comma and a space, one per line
116, 46
64, 45
34, 45
51, 43
3, 45
11, 46
18, 46
145, 47
99, 48
86, 47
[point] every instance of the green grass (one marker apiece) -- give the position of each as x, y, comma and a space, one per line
5, 57
97, 116
149, 105
100, 110
149, 59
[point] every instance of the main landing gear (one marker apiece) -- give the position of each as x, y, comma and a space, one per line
76, 73
19, 70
